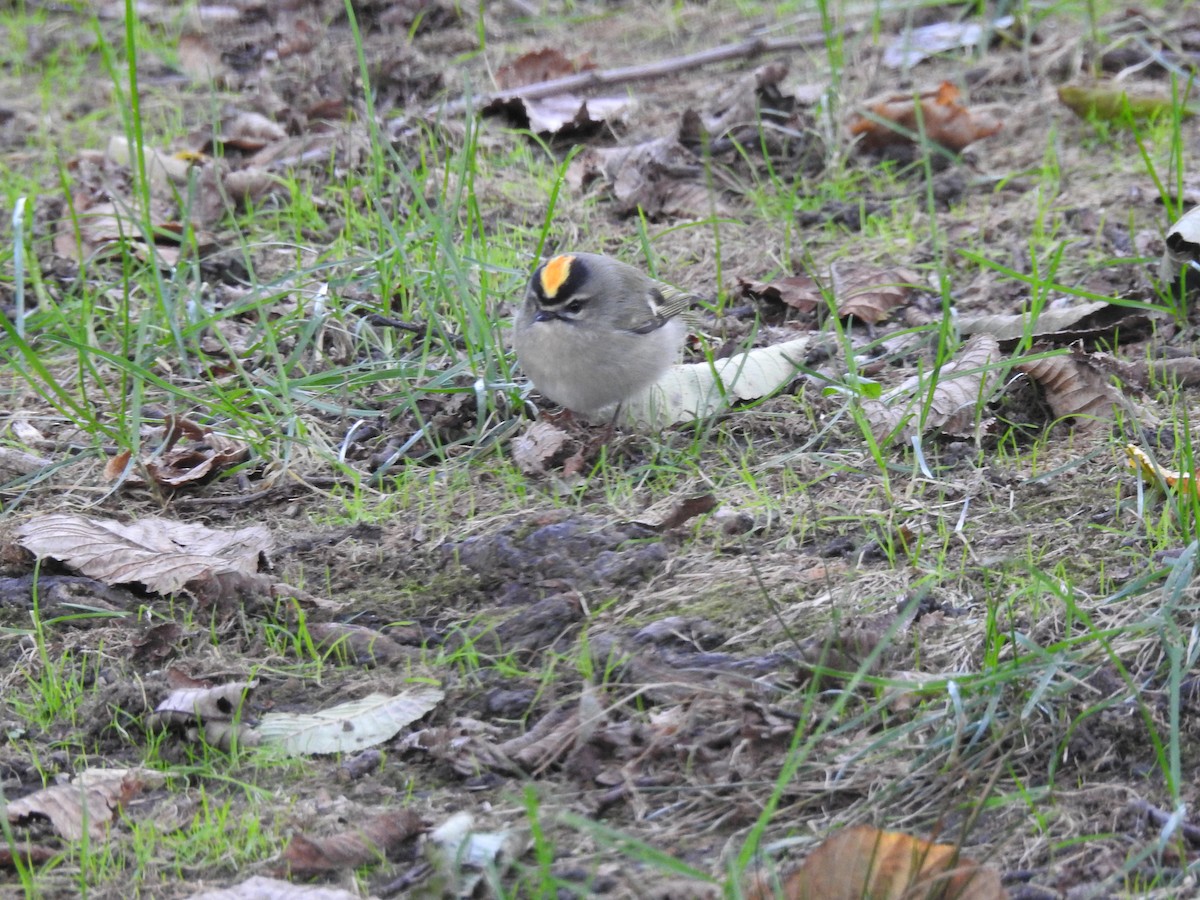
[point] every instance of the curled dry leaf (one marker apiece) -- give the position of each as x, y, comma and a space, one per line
963, 384
1111, 102
1182, 255
370, 842
1073, 387
863, 862
869, 293
1061, 325
800, 292
661, 177
674, 511
540, 65
698, 390
87, 805
162, 554
899, 119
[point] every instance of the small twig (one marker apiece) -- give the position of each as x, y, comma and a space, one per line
605, 77
1161, 817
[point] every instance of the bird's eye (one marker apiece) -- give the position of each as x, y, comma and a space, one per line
574, 306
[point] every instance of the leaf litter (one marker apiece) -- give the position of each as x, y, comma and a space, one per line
698, 706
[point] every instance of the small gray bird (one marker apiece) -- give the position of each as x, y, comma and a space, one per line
594, 331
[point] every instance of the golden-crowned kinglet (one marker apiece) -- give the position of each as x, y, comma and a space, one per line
594, 331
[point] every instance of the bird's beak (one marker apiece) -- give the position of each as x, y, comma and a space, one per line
544, 315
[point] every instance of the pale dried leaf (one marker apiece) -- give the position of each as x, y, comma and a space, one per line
698, 390
918, 44
15, 463
220, 703
262, 888
1182, 253
348, 726
163, 554
536, 449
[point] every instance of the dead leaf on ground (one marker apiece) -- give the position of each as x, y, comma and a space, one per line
358, 644
88, 805
660, 177
1111, 102
698, 390
462, 854
1098, 320
674, 511
1181, 259
16, 463
541, 446
900, 119
162, 554
918, 44
349, 726
203, 455
262, 888
540, 65
963, 384
870, 293
800, 292
370, 842
1073, 386
214, 712
863, 862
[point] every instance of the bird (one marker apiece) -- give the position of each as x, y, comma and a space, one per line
593, 331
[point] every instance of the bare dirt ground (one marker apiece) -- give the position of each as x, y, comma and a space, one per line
828, 639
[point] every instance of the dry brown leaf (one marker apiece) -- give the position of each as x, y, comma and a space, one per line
88, 805
674, 511
1073, 387
162, 554
540, 65
864, 863
360, 645
869, 293
369, 842
800, 292
897, 120
661, 177
962, 385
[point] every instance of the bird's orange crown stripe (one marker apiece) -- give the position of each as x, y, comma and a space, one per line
554, 273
